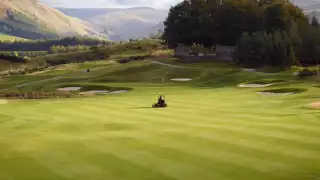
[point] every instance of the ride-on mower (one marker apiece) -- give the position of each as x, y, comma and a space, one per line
161, 103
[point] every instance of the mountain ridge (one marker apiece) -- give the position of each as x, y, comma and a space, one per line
34, 20
122, 23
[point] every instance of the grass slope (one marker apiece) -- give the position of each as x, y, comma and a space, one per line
5, 37
211, 130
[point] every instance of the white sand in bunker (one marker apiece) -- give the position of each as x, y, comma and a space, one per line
3, 101
94, 92
315, 105
102, 92
249, 70
253, 85
117, 92
69, 89
181, 79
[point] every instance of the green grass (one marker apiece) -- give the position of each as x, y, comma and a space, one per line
6, 37
212, 130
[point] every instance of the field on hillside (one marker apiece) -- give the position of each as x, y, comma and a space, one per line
212, 129
5, 37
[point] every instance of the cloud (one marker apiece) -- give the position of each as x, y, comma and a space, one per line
163, 4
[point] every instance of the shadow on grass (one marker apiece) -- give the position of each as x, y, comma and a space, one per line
141, 108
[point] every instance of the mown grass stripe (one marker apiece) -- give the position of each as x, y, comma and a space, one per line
259, 132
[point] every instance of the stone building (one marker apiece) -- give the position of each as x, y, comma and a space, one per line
225, 53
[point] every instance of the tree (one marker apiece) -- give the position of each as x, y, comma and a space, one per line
261, 48
173, 24
15, 53
310, 39
270, 24
276, 17
236, 17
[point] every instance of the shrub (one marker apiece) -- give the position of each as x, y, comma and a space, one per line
261, 49
12, 58
36, 95
286, 90
307, 73
122, 61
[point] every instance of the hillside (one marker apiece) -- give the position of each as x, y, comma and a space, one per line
33, 20
122, 24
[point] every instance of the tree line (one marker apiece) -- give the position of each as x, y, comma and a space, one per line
62, 49
265, 32
45, 45
24, 54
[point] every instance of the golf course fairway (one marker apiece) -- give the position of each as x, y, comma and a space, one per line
212, 129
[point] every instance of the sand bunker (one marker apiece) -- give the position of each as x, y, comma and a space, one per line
117, 92
94, 92
252, 85
102, 92
250, 70
181, 79
69, 89
315, 105
3, 101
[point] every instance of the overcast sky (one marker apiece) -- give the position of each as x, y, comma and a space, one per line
162, 4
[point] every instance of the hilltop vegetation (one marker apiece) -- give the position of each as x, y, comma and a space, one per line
264, 32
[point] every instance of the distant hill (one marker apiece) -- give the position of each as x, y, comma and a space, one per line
122, 24
33, 20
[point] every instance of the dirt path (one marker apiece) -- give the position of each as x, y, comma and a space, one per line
257, 72
166, 64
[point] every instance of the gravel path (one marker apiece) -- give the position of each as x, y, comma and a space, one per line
166, 64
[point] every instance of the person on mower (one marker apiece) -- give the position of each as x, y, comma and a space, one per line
161, 101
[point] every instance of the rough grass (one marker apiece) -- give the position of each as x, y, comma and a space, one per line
211, 130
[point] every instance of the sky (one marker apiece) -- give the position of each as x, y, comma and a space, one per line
160, 4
